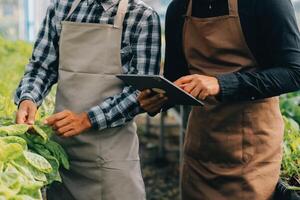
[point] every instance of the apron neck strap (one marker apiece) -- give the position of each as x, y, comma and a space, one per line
74, 6
190, 8
119, 18
122, 9
233, 8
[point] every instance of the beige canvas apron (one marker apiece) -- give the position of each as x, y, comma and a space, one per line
232, 150
104, 164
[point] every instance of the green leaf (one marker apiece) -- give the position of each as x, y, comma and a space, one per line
6, 192
41, 150
17, 129
58, 152
32, 139
9, 178
10, 152
54, 175
22, 197
293, 188
15, 139
22, 170
35, 174
40, 132
38, 161
32, 189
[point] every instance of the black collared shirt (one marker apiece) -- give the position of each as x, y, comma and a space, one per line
271, 33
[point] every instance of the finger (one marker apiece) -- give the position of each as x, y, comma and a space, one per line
160, 102
69, 134
203, 95
58, 116
196, 92
21, 117
183, 80
144, 94
188, 88
157, 106
152, 100
183, 86
31, 116
62, 123
64, 129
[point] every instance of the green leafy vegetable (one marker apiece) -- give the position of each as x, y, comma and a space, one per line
29, 160
13, 57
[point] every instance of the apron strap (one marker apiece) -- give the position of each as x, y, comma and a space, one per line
189, 8
119, 18
233, 7
74, 6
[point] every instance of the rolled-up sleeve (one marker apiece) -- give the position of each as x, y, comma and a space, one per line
41, 72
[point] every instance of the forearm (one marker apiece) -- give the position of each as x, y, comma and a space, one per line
244, 86
277, 51
115, 111
35, 84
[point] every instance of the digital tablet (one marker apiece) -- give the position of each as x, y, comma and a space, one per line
159, 84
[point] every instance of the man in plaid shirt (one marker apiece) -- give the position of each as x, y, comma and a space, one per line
140, 54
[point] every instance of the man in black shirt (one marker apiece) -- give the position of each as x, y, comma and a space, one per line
237, 56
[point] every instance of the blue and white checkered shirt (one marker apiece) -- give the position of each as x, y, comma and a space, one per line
140, 53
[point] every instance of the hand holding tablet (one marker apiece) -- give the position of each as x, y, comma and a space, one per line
161, 85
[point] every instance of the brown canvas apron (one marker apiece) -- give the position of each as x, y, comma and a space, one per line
232, 150
104, 164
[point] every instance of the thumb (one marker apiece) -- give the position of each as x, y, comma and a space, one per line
184, 80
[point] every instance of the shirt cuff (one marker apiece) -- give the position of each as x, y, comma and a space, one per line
25, 97
97, 118
229, 85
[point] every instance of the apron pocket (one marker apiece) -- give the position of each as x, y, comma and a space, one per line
263, 121
229, 152
226, 138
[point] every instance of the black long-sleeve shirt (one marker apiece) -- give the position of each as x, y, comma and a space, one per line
271, 33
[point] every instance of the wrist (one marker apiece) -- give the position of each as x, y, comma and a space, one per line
229, 85
27, 101
86, 122
218, 87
